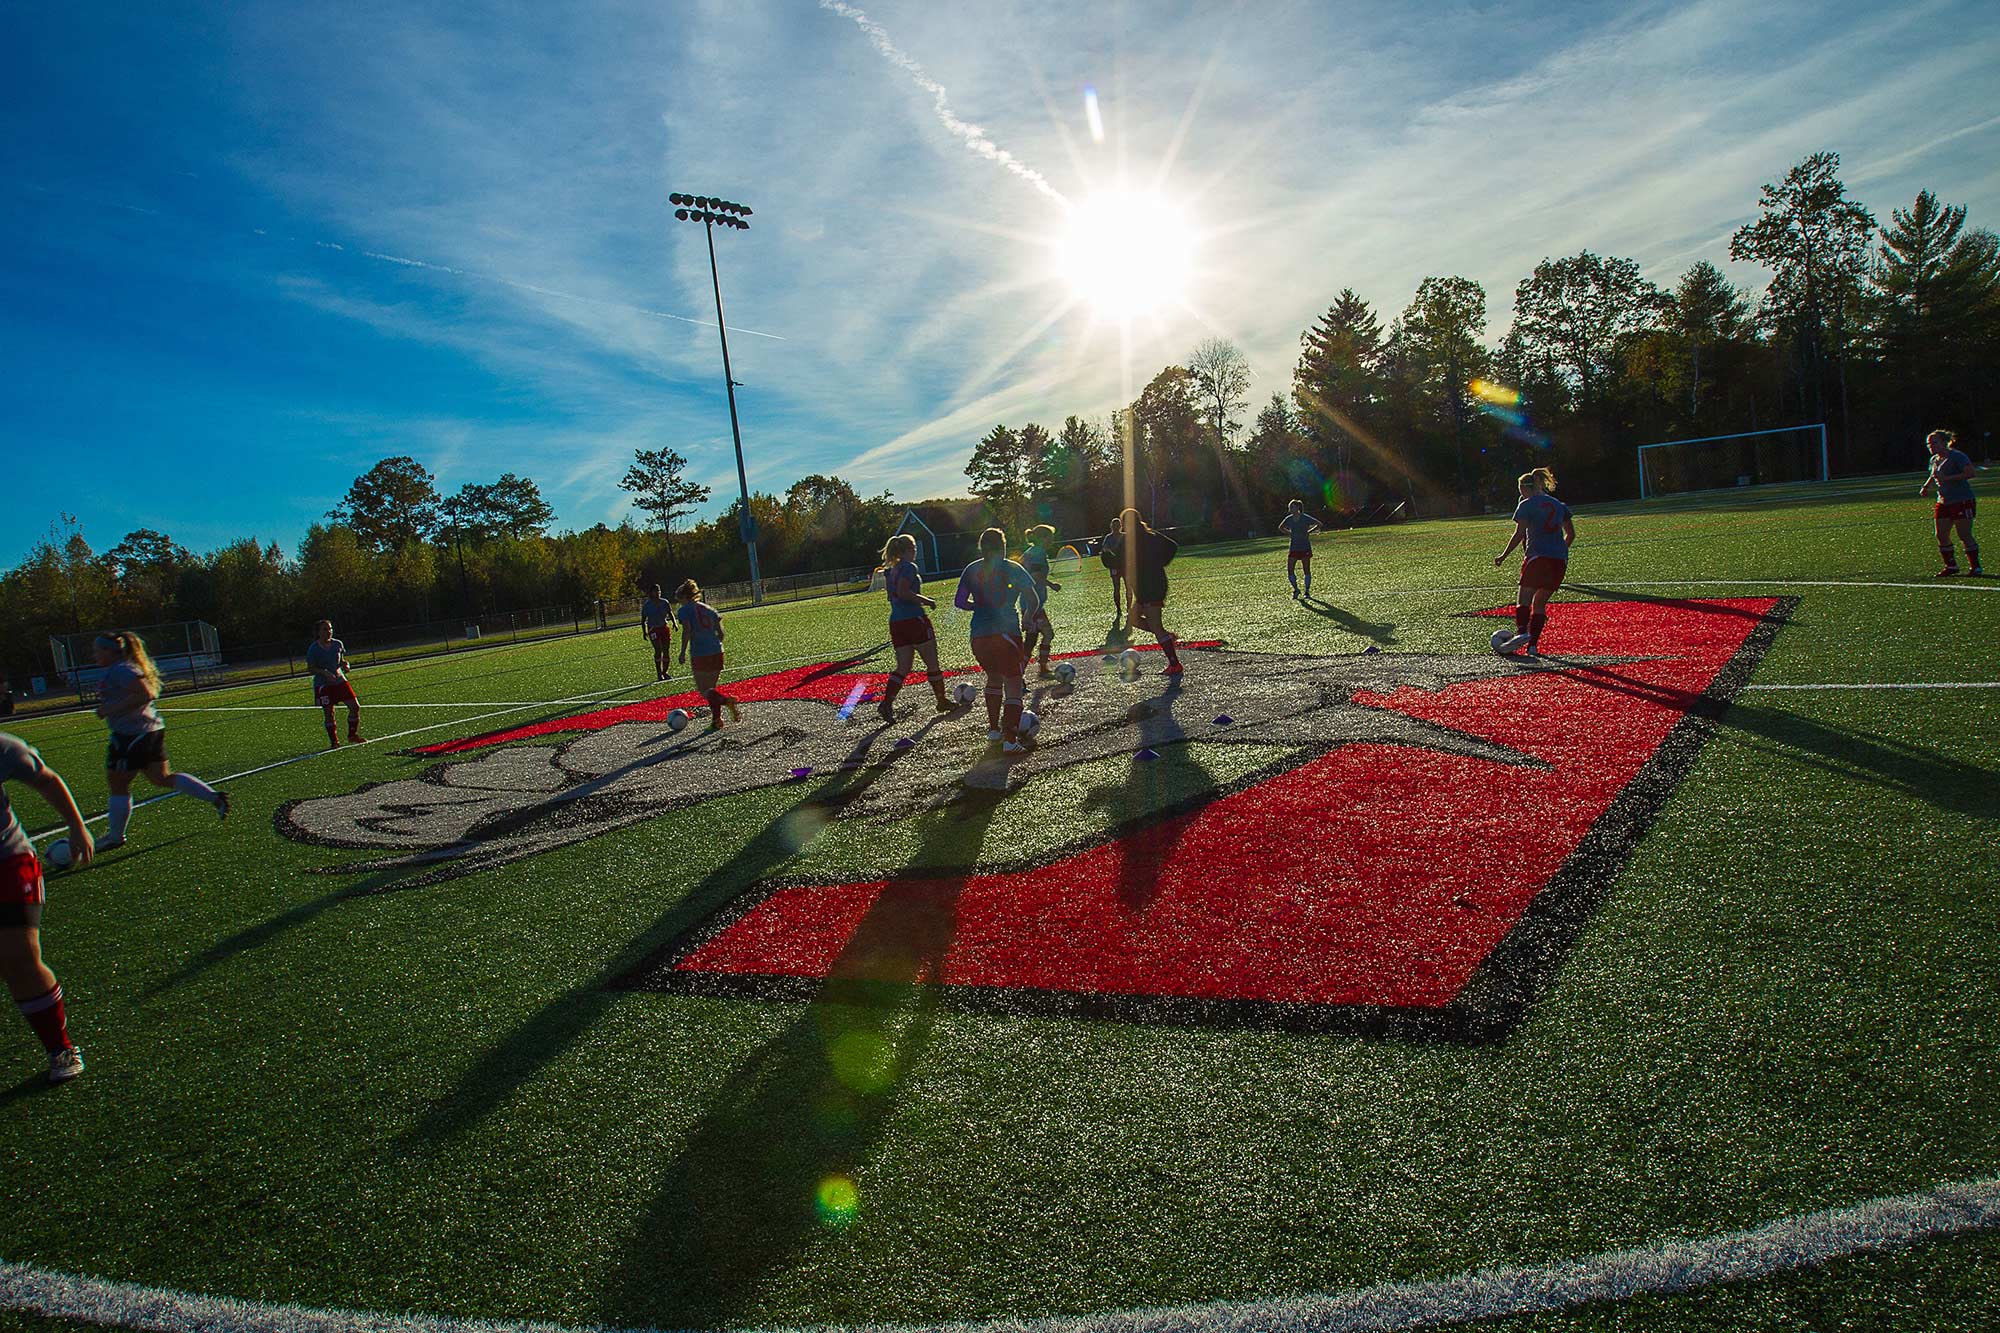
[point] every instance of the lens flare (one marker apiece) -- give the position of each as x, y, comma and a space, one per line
1127, 253
1486, 391
837, 1201
1092, 114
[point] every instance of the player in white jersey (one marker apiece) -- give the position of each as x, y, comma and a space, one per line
125, 698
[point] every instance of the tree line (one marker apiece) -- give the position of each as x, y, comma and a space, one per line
1880, 331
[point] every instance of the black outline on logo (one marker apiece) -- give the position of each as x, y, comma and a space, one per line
1517, 973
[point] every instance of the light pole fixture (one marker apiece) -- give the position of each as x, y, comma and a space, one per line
711, 213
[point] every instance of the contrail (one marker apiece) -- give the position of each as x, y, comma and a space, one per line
972, 136
546, 291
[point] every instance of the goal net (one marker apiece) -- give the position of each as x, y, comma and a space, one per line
1721, 462
187, 651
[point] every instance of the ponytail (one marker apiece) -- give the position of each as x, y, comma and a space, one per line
688, 591
1541, 477
1042, 532
131, 649
893, 551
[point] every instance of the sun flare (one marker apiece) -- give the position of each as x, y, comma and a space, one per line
1127, 254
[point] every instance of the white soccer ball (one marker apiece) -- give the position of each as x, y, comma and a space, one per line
1030, 723
1500, 639
1128, 661
677, 720
1065, 673
60, 855
965, 691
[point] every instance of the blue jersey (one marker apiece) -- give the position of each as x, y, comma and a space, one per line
1542, 518
1300, 526
1954, 492
899, 608
701, 628
654, 612
1036, 561
993, 596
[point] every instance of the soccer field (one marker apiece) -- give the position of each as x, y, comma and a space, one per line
1647, 986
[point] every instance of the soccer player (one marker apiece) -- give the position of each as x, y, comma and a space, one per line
656, 622
701, 633
138, 737
1111, 552
1151, 553
1299, 526
1951, 472
1035, 559
910, 627
1544, 524
28, 978
991, 588
326, 658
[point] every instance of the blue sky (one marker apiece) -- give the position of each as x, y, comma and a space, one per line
246, 250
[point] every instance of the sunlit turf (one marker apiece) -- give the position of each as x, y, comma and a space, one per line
428, 1100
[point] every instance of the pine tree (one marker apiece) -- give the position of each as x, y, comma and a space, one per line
998, 471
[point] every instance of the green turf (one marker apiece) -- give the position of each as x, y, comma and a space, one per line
426, 1100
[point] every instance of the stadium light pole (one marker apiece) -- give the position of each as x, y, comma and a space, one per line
711, 212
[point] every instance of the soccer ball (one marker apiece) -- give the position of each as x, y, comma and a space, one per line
677, 720
1065, 673
965, 692
60, 855
1029, 724
1128, 661
1500, 639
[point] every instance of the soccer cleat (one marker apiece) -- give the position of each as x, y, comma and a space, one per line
992, 734
1045, 673
735, 713
715, 724
885, 712
65, 1064
1948, 572
946, 706
1013, 747
222, 805
1514, 644
1173, 669
1531, 651
109, 845
333, 742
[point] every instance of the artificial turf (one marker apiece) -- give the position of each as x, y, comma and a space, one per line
435, 1100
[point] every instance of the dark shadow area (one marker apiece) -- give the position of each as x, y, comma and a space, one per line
1347, 620
34, 1085
120, 855
767, 1164
1695, 604
1151, 784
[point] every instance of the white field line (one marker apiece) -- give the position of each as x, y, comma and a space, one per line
1889, 685
1804, 1240
733, 672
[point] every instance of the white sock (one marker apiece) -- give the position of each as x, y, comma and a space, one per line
187, 784
120, 814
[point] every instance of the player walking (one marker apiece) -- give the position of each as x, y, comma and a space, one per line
1544, 524
991, 588
1151, 553
656, 622
910, 627
29, 981
1035, 559
701, 633
326, 658
138, 737
1951, 472
1111, 552
1299, 526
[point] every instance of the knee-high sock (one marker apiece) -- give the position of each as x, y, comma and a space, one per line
893, 687
1536, 624
992, 708
118, 815
1521, 618
45, 1015
187, 784
353, 722
1950, 555
1010, 720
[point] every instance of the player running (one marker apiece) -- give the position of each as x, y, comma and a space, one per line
1544, 524
1951, 472
326, 658
1299, 526
138, 737
1151, 552
1035, 559
909, 623
1111, 553
701, 633
656, 622
29, 981
990, 588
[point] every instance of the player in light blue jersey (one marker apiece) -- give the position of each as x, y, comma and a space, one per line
999, 592
1542, 524
1035, 559
910, 629
702, 635
1951, 472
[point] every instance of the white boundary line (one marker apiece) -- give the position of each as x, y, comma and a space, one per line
1803, 1240
1889, 685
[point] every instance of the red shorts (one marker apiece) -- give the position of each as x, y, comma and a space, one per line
999, 654
339, 692
1953, 511
21, 892
662, 636
706, 662
1297, 558
912, 632
1543, 571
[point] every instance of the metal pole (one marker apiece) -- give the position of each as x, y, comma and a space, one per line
749, 520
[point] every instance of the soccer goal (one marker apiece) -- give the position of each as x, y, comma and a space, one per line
1720, 462
188, 650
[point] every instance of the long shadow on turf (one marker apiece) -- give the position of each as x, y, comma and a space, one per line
1709, 608
773, 1157
523, 1053
1347, 620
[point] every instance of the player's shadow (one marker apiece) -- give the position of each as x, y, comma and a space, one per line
1695, 604
1149, 787
1347, 620
765, 1166
34, 1085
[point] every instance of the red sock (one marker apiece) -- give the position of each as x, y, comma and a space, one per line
1536, 624
714, 698
333, 735
1010, 720
45, 1015
890, 690
993, 710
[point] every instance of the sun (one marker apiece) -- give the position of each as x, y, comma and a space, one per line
1127, 253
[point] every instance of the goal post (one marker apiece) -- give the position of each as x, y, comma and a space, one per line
186, 650
1722, 462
